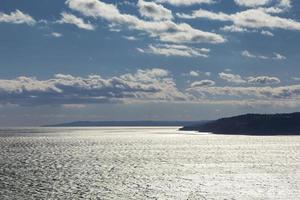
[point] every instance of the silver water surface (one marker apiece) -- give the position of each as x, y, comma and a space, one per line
145, 163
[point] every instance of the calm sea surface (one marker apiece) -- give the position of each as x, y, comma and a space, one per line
145, 163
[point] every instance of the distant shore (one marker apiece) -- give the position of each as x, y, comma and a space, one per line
124, 123
251, 124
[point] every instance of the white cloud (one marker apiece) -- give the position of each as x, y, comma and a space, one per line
198, 73
144, 85
194, 73
72, 19
251, 18
56, 34
296, 78
167, 31
185, 2
17, 17
267, 33
276, 56
233, 28
252, 3
141, 50
131, 38
203, 83
275, 6
259, 80
206, 14
285, 3
291, 92
247, 54
263, 80
176, 50
232, 78
273, 10
207, 73
255, 18
150, 85
154, 11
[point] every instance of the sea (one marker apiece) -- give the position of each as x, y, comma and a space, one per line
125, 163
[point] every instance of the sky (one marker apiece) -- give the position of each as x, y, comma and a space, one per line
103, 60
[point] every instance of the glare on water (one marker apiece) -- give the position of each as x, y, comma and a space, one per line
146, 163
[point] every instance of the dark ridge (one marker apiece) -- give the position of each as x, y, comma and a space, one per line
124, 123
252, 124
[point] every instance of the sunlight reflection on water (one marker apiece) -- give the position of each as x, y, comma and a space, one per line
145, 163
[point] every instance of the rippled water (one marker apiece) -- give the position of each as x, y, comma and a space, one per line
145, 163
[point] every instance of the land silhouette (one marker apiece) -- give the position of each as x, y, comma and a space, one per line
252, 124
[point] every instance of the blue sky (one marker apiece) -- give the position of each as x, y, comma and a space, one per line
147, 60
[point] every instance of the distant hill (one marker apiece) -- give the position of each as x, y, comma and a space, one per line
252, 124
124, 123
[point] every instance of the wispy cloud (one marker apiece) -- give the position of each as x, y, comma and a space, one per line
151, 85
252, 18
235, 29
247, 54
263, 80
144, 85
296, 78
249, 93
79, 22
176, 50
203, 83
267, 33
56, 34
186, 2
154, 11
166, 30
252, 3
276, 56
131, 38
232, 78
17, 17
259, 80
194, 73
